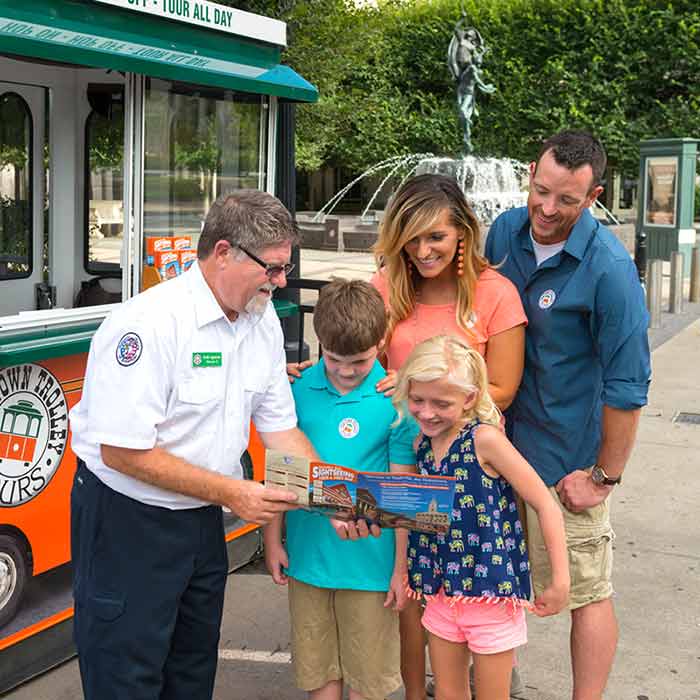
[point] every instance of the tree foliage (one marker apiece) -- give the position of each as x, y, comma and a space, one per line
106, 146
626, 69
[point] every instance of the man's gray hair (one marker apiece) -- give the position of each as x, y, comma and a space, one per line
248, 218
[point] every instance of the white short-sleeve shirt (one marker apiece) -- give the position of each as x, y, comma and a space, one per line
168, 369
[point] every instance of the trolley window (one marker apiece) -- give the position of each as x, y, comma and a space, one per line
199, 143
104, 179
15, 187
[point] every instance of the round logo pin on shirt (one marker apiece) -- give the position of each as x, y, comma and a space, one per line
348, 428
129, 349
547, 299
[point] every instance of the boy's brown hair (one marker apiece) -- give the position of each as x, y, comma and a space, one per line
349, 317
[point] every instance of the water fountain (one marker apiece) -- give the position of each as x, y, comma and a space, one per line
398, 165
491, 185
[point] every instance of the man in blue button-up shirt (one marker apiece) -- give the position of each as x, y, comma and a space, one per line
586, 376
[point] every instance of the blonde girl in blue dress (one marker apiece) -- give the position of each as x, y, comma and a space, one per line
474, 578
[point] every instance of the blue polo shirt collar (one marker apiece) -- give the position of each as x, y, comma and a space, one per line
576, 244
524, 234
581, 235
319, 382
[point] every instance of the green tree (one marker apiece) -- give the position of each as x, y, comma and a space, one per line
106, 141
626, 69
197, 150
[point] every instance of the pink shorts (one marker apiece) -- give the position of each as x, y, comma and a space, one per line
485, 628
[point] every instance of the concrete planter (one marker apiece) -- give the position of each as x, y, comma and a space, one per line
320, 236
359, 240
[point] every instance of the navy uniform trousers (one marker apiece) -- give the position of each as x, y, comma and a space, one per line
148, 584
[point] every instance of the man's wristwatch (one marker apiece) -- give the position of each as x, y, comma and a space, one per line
600, 478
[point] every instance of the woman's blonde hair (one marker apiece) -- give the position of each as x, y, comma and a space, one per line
447, 357
414, 209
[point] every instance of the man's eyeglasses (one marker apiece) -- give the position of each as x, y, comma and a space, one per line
270, 269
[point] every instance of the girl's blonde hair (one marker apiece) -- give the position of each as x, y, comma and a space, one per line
414, 209
447, 357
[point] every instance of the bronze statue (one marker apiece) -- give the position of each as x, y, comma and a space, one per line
464, 57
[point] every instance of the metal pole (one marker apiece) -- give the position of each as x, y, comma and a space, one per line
640, 254
654, 293
675, 297
286, 190
695, 275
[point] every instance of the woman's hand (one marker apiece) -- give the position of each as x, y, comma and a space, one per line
387, 386
294, 369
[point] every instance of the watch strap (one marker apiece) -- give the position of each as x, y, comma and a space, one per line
606, 480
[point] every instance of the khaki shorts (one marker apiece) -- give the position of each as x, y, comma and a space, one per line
344, 635
589, 539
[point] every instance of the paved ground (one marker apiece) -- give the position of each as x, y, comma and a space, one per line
656, 570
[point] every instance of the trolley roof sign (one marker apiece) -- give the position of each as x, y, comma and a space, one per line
205, 44
210, 15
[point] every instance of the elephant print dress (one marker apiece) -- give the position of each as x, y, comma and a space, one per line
483, 556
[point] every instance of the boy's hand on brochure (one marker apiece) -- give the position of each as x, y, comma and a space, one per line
387, 386
276, 560
397, 595
354, 529
553, 600
294, 369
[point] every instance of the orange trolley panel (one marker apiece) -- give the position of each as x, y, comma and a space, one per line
38, 500
256, 450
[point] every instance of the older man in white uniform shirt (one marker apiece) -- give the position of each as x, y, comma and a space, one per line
174, 377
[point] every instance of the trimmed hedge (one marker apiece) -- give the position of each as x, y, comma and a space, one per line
626, 69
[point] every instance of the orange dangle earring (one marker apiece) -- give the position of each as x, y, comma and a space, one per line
411, 275
409, 265
460, 257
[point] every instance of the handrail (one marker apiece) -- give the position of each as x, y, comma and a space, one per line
607, 211
305, 283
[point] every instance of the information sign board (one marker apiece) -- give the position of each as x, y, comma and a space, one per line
211, 15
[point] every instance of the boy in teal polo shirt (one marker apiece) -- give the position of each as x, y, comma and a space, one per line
343, 595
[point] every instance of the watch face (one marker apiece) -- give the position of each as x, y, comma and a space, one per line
601, 479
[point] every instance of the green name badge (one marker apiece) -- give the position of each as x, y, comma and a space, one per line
206, 359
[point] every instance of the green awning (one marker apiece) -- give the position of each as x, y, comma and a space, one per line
100, 36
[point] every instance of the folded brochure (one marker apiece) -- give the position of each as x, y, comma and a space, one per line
387, 499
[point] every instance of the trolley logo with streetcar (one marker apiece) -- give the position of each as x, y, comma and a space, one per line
33, 431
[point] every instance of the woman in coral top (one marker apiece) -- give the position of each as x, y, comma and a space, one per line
434, 281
